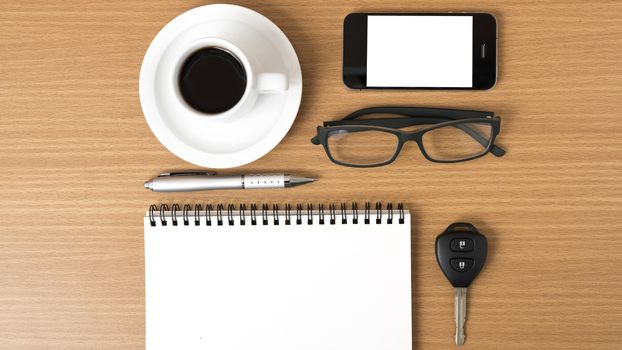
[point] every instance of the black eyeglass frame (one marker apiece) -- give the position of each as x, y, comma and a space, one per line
416, 116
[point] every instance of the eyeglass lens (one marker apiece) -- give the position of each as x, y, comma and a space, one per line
367, 147
457, 141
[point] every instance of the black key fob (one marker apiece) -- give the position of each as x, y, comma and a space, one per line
461, 253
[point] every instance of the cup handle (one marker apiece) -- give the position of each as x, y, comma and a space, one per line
272, 83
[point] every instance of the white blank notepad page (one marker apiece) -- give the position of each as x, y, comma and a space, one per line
298, 287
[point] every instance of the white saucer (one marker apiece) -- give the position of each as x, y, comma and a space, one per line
215, 142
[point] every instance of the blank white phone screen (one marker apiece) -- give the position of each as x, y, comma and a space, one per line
420, 51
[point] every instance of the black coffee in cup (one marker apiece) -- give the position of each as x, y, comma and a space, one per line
212, 80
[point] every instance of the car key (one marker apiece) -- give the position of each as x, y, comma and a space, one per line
461, 252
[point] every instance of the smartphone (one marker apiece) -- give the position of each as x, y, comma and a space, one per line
420, 51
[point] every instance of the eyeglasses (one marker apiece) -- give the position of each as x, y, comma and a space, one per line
370, 137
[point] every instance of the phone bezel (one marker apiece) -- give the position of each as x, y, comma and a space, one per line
355, 50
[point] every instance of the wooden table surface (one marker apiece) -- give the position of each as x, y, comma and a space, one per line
76, 150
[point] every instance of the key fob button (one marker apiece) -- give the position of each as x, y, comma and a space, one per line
461, 245
461, 265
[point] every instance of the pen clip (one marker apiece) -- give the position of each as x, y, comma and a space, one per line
187, 173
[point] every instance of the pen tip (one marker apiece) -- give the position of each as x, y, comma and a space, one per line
296, 181
148, 185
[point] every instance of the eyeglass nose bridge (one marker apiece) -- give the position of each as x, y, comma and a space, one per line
412, 136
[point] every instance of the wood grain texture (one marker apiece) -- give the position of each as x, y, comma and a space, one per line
76, 149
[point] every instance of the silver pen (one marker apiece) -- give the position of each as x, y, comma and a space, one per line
201, 181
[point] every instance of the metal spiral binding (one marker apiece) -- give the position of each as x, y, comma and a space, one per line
163, 210
266, 212
152, 209
219, 209
242, 214
288, 213
400, 209
185, 214
230, 209
298, 214
174, 209
275, 213
208, 215
197, 214
253, 214
309, 214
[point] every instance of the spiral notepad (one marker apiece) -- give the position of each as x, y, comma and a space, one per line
229, 277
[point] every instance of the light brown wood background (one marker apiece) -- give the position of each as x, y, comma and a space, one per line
75, 150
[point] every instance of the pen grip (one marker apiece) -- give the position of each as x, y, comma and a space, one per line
196, 183
264, 181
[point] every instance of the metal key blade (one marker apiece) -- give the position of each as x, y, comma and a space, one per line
460, 313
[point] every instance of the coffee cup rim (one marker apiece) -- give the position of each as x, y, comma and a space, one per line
222, 44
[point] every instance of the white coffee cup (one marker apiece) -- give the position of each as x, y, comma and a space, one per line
257, 81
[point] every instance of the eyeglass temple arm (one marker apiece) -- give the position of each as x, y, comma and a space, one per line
447, 114
495, 150
398, 123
